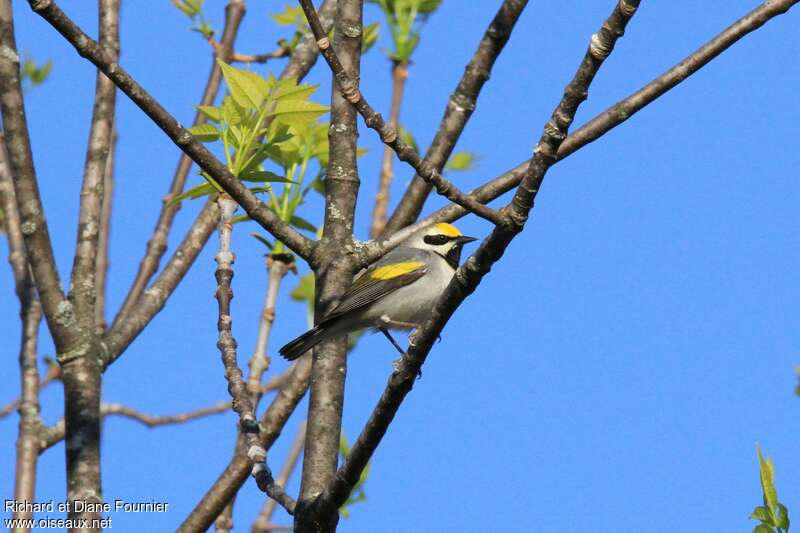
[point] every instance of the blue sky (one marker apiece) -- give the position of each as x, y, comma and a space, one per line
613, 373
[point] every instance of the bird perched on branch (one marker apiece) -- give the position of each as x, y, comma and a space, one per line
398, 291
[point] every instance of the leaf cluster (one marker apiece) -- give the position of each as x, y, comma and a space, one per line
405, 18
773, 515
33, 75
266, 121
194, 10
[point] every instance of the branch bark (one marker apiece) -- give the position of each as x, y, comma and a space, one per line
102, 264
263, 523
333, 275
459, 109
31, 316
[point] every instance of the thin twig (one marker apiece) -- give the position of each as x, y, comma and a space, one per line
399, 77
53, 374
459, 108
278, 265
103, 261
263, 523
470, 274
157, 245
374, 120
242, 404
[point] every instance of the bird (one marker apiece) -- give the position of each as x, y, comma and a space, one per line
398, 291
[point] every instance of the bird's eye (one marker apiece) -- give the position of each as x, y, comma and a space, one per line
436, 239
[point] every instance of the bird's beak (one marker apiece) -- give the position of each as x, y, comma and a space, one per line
463, 239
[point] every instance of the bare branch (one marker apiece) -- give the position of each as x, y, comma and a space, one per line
31, 318
278, 265
242, 402
83, 289
389, 136
102, 263
53, 374
470, 274
57, 309
263, 523
157, 245
460, 106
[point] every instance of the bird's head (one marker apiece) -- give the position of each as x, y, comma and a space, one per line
443, 239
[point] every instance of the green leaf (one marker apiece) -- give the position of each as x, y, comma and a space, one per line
297, 113
763, 529
204, 189
782, 520
304, 292
291, 16
263, 240
262, 152
768, 482
302, 223
293, 91
426, 7
407, 138
247, 88
213, 113
205, 132
762, 513
461, 161
232, 112
370, 36
263, 176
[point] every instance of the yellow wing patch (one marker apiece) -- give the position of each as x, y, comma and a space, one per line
448, 229
387, 272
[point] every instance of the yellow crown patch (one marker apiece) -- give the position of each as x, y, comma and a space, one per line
448, 229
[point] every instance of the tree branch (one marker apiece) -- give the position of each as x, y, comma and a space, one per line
157, 245
470, 274
373, 120
57, 309
102, 263
83, 289
460, 106
278, 265
263, 522
31, 317
333, 276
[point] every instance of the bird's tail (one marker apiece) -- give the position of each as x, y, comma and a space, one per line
304, 343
